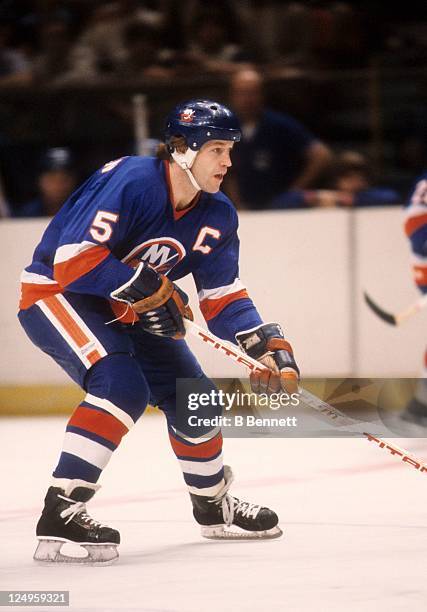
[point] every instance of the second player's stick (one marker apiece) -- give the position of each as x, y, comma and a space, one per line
400, 317
336, 416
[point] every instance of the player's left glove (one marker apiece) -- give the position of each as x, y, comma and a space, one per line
161, 305
266, 343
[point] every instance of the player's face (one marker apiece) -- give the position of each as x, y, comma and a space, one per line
211, 164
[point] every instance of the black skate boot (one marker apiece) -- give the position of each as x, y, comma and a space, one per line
415, 413
218, 514
64, 520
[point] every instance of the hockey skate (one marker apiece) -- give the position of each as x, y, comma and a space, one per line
64, 521
415, 413
224, 517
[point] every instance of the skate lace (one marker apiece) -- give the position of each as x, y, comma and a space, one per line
232, 506
80, 509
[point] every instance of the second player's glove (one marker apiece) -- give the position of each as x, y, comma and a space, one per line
161, 305
266, 343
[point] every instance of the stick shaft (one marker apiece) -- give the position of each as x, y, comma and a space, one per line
336, 416
413, 309
400, 317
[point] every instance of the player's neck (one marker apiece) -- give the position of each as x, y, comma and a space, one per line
183, 192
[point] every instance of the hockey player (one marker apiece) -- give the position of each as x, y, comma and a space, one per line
416, 231
117, 244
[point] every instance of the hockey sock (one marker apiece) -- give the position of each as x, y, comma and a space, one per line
201, 464
117, 397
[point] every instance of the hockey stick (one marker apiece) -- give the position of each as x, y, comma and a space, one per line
396, 319
336, 416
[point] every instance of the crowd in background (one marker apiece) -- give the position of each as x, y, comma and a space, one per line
281, 162
50, 41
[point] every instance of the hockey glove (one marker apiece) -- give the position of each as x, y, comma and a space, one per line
267, 345
159, 303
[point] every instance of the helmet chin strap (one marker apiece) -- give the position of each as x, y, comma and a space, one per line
185, 161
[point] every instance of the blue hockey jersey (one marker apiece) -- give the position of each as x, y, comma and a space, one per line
123, 214
416, 230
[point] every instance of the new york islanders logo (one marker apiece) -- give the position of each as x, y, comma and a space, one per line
161, 253
187, 115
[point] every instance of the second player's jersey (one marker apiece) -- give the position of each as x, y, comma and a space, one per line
124, 214
416, 230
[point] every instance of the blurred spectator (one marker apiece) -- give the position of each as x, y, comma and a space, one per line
212, 46
56, 180
123, 38
338, 35
405, 39
276, 152
144, 53
351, 185
14, 66
53, 61
295, 38
99, 51
261, 24
310, 33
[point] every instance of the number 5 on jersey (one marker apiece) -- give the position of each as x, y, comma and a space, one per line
101, 228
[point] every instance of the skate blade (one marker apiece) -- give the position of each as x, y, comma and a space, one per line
414, 423
50, 551
222, 532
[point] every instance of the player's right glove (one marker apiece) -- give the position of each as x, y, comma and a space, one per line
266, 343
161, 305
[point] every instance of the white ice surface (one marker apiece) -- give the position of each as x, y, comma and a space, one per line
354, 521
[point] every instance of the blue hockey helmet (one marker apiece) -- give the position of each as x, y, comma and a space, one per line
198, 121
